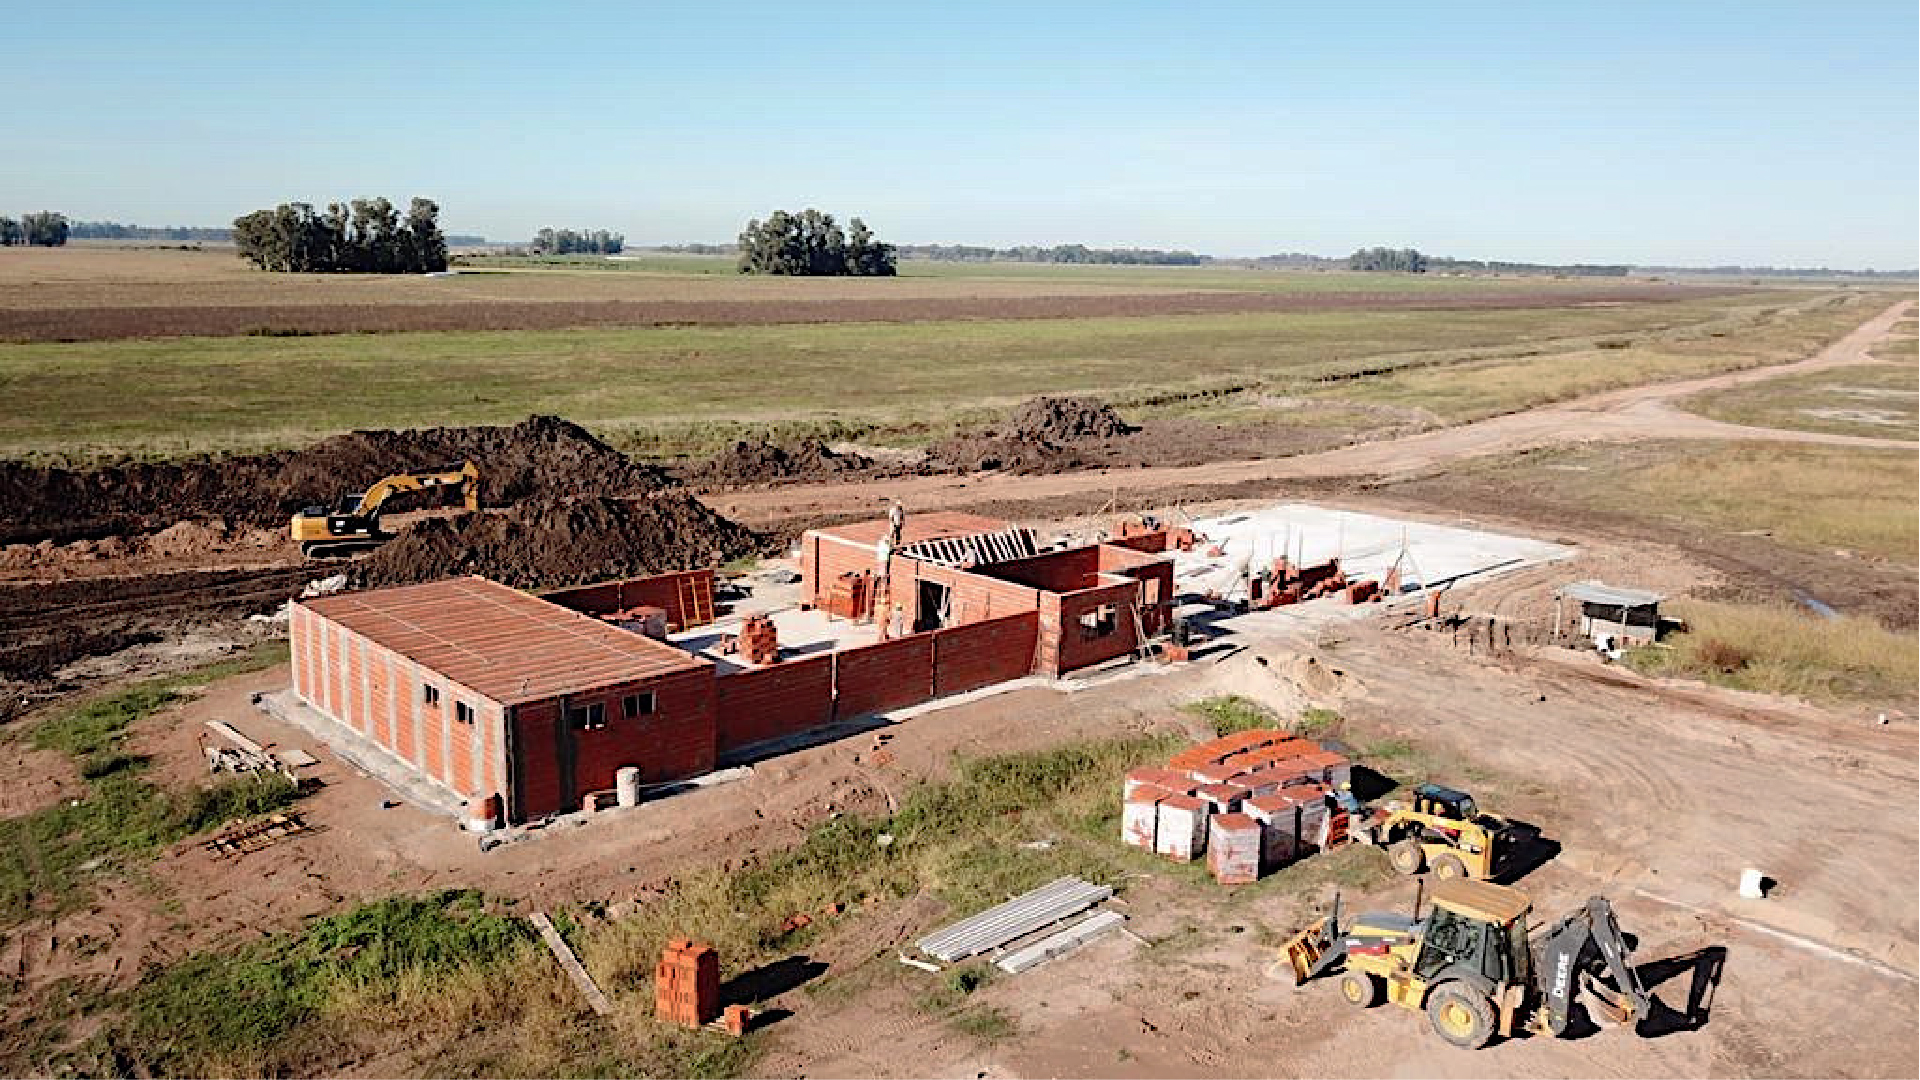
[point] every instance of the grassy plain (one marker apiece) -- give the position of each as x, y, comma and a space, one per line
1780, 650
676, 389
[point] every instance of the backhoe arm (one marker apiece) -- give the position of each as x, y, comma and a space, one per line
1578, 944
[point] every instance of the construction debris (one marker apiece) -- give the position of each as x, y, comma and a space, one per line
1022, 915
1060, 943
254, 835
570, 963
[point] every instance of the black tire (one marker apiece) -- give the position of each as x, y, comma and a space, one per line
1362, 989
1447, 867
1461, 1016
1407, 857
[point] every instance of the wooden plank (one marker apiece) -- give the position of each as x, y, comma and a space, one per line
570, 963
233, 735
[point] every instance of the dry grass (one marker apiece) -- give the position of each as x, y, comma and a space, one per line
1779, 650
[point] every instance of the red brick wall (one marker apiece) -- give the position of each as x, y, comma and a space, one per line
983, 653
673, 592
888, 675
1055, 571
1064, 646
536, 762
1153, 542
974, 596
769, 702
676, 742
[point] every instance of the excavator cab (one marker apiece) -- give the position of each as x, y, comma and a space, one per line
354, 524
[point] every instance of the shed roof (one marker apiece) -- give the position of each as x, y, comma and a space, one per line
1593, 592
937, 525
497, 641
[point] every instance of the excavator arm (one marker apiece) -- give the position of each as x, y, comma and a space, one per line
1577, 951
467, 476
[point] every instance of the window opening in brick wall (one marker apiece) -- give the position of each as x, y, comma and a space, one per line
463, 712
637, 705
587, 717
1098, 623
430, 694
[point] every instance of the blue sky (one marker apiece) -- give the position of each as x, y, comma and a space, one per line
1685, 132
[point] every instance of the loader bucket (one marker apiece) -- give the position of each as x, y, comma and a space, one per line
1306, 948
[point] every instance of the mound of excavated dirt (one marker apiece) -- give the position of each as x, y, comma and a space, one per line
1067, 420
761, 462
1044, 435
542, 457
550, 543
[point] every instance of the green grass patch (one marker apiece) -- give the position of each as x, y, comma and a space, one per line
689, 387
1232, 713
1873, 400
1778, 650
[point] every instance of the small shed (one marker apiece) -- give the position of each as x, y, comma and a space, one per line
1610, 616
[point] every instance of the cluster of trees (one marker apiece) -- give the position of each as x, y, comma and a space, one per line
45, 229
180, 234
1495, 266
811, 244
1061, 253
1388, 260
365, 236
568, 242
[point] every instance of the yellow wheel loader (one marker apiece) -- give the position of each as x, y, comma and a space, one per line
1444, 831
1470, 966
354, 524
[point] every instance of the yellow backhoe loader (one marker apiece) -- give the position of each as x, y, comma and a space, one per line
354, 525
1470, 965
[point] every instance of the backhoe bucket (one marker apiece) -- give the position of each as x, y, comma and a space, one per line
1304, 952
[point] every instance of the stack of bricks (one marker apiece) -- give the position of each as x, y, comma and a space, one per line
1247, 803
759, 641
851, 596
686, 984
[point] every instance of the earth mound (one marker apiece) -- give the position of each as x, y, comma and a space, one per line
1045, 435
760, 461
543, 456
555, 542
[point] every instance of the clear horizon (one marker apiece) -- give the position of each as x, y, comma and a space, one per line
1705, 134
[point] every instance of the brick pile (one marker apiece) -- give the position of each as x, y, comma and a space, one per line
759, 641
1249, 803
851, 596
686, 984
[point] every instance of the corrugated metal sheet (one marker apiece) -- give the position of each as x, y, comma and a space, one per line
1063, 942
1593, 592
1017, 917
499, 642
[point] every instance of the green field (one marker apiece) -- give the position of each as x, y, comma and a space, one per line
681, 388
1874, 400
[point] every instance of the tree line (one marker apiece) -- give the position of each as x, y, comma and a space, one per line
1388, 260
365, 236
1060, 253
811, 244
45, 229
568, 242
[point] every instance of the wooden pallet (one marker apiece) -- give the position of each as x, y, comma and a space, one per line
696, 603
254, 835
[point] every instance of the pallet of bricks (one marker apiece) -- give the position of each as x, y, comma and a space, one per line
1249, 803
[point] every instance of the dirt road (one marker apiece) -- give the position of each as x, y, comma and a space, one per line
1639, 412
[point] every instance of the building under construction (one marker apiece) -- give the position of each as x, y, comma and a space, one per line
523, 706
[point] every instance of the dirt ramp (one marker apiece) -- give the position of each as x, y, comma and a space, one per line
556, 542
761, 462
544, 456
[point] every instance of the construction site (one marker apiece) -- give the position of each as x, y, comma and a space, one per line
913, 776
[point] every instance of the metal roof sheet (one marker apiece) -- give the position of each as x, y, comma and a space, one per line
499, 642
917, 528
1018, 917
1593, 592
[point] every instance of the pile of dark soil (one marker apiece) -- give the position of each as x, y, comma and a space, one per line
542, 457
551, 543
1067, 420
762, 462
1044, 435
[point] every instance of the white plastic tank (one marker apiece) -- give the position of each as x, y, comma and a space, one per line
626, 784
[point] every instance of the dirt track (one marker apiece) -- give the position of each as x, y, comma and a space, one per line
1639, 412
102, 322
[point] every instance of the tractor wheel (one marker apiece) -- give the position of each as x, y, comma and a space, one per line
1407, 857
1461, 1016
1449, 866
1363, 990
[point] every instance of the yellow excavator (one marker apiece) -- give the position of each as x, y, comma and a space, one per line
1470, 966
354, 525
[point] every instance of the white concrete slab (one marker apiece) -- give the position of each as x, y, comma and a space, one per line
1367, 546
